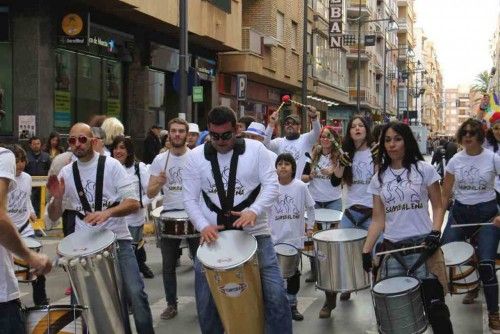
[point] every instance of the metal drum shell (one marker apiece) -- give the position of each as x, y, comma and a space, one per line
288, 262
339, 263
39, 319
164, 224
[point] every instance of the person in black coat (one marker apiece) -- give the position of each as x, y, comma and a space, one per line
152, 144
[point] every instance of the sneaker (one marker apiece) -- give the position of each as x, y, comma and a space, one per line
345, 296
494, 322
296, 314
470, 296
169, 312
68, 291
326, 311
147, 272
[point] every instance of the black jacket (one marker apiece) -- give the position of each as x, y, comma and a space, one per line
152, 147
37, 165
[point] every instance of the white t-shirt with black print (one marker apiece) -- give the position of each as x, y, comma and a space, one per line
298, 147
9, 289
406, 202
320, 186
362, 173
138, 218
20, 206
172, 190
497, 178
118, 185
254, 168
474, 176
286, 215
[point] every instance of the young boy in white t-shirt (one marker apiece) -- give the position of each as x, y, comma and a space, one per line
22, 213
286, 218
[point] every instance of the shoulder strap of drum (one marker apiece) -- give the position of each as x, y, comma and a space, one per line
79, 188
99, 182
138, 173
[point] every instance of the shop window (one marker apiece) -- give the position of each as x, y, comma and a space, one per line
294, 35
280, 26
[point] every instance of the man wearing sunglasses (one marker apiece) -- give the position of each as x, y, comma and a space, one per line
293, 142
245, 167
119, 198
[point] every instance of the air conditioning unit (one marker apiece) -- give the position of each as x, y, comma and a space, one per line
269, 41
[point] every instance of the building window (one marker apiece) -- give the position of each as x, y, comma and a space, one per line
280, 26
294, 35
225, 5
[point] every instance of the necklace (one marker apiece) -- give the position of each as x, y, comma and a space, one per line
397, 176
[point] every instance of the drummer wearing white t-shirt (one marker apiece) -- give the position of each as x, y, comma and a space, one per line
119, 198
401, 191
11, 315
255, 187
293, 142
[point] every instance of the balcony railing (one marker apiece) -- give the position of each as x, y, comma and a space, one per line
365, 96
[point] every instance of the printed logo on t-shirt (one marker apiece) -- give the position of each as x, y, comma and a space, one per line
175, 179
362, 172
89, 189
402, 193
469, 179
323, 163
294, 151
285, 208
17, 201
239, 189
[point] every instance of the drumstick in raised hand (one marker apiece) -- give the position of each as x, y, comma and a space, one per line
400, 250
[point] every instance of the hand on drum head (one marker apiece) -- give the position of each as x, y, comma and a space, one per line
210, 233
367, 262
40, 263
247, 217
55, 186
99, 217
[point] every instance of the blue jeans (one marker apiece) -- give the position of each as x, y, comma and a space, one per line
169, 251
277, 313
12, 319
133, 286
485, 239
334, 205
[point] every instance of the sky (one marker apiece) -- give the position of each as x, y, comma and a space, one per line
461, 31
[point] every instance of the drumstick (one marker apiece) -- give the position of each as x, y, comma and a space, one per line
472, 224
166, 162
400, 250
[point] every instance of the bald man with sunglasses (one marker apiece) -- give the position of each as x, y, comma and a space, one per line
119, 198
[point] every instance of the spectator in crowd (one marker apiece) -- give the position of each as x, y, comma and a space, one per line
152, 144
449, 148
243, 124
38, 165
113, 128
193, 135
98, 144
53, 146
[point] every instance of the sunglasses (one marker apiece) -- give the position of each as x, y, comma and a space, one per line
81, 139
288, 123
471, 133
221, 136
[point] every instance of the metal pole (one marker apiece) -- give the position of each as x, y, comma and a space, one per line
358, 76
304, 57
183, 58
385, 74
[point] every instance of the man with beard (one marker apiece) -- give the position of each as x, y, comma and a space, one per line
165, 173
294, 143
119, 198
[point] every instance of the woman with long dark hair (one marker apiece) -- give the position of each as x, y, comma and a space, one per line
401, 191
122, 149
471, 175
54, 147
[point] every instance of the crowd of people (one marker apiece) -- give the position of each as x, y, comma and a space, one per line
238, 174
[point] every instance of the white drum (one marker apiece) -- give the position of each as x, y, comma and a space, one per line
288, 259
327, 218
173, 224
462, 273
22, 269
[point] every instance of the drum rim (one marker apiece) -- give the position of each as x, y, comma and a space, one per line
399, 292
338, 241
341, 213
56, 306
28, 240
287, 244
86, 254
458, 263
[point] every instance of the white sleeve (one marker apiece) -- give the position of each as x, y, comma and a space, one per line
8, 167
450, 166
31, 209
155, 167
374, 187
191, 192
144, 171
268, 136
309, 209
430, 174
496, 161
269, 189
313, 135
274, 145
126, 185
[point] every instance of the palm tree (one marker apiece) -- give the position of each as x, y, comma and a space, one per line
481, 82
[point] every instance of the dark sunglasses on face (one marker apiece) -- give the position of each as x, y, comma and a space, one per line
81, 139
288, 123
471, 133
224, 136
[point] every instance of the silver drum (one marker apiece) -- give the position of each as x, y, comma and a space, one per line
398, 306
339, 262
90, 259
288, 259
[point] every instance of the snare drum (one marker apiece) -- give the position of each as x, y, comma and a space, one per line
173, 224
22, 269
232, 271
398, 305
339, 263
462, 273
288, 259
52, 319
326, 218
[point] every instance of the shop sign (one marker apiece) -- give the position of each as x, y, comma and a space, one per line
197, 93
27, 127
241, 85
335, 23
108, 44
74, 28
206, 68
62, 109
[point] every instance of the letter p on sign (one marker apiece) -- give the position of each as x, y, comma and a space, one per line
241, 81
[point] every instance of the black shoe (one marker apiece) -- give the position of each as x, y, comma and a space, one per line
296, 314
146, 272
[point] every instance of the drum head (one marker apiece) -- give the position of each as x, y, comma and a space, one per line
341, 235
84, 242
31, 243
156, 213
326, 215
395, 285
285, 249
457, 252
231, 249
175, 215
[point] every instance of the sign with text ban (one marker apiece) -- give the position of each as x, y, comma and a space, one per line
335, 23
